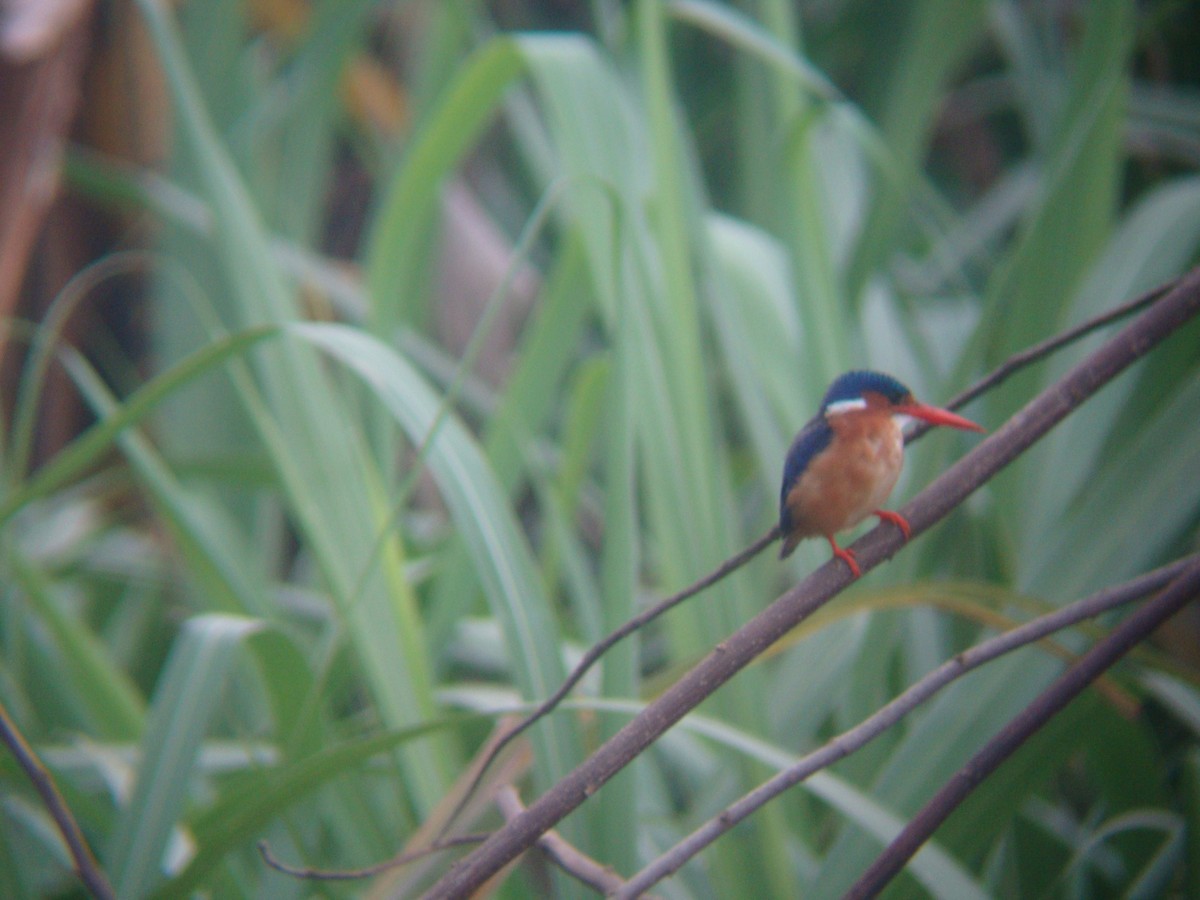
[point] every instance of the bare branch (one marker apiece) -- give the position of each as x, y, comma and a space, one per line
86, 867
400, 859
555, 846
855, 738
420, 845
1091, 665
1040, 351
946, 492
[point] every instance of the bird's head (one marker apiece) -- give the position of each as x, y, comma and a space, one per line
873, 392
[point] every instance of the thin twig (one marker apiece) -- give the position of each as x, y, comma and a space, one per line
515, 766
569, 858
1040, 351
86, 866
400, 859
1136, 628
598, 649
937, 500
855, 738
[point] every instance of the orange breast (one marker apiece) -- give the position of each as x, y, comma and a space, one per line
851, 478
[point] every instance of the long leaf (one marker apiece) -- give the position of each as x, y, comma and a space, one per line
187, 696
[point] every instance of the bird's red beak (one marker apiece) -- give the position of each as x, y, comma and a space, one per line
936, 416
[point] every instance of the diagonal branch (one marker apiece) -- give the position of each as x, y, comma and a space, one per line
937, 500
86, 867
857, 737
1136, 628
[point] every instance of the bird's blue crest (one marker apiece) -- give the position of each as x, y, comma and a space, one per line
852, 385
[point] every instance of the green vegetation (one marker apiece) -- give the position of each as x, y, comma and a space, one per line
280, 589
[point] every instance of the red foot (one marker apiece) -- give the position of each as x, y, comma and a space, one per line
846, 556
886, 515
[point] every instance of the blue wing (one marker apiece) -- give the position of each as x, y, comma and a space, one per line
812, 439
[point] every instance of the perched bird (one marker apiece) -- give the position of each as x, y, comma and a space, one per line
844, 463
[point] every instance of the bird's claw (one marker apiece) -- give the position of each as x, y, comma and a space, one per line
886, 515
848, 557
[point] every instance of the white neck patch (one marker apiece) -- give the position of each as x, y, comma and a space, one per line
845, 406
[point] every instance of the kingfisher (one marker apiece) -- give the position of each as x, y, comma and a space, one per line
844, 463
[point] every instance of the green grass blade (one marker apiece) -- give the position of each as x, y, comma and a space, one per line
933, 38
480, 509
88, 449
331, 484
106, 694
398, 242
254, 801
188, 694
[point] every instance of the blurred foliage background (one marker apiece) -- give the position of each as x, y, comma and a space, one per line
372, 359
